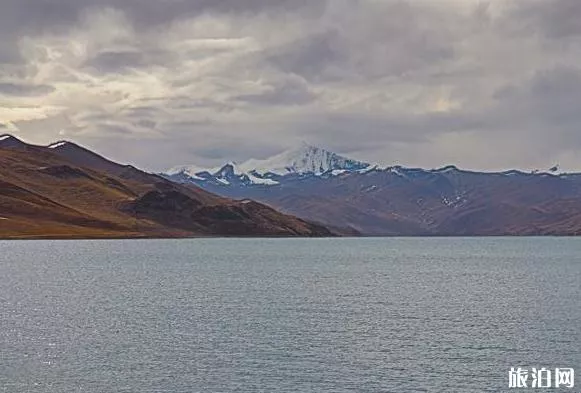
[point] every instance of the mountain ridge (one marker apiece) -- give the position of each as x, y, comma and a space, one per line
301, 160
304, 161
64, 190
396, 200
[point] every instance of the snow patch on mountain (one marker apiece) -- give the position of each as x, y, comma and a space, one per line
191, 170
555, 170
397, 170
228, 170
259, 180
337, 172
57, 145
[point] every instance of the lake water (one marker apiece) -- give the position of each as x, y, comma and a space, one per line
286, 315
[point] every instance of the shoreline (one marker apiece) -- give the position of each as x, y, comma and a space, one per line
157, 237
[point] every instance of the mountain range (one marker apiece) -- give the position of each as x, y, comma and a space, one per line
355, 197
67, 191
297, 163
64, 190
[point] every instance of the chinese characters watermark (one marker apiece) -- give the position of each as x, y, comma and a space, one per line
541, 378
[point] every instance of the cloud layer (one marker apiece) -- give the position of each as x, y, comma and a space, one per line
481, 84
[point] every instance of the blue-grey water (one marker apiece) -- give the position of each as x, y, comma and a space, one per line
286, 315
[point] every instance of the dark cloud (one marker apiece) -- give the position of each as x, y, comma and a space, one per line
555, 19
144, 112
311, 57
116, 61
388, 38
431, 82
9, 54
36, 16
545, 106
25, 90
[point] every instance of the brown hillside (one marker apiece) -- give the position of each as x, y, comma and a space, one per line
71, 192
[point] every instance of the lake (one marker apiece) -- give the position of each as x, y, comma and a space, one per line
286, 315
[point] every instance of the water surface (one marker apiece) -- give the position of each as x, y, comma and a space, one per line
286, 315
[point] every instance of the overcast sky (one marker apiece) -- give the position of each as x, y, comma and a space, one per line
481, 84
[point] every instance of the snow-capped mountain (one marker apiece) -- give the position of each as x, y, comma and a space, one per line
356, 197
297, 163
307, 162
305, 159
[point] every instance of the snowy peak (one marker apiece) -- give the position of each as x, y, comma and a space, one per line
307, 162
10, 141
227, 171
304, 159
